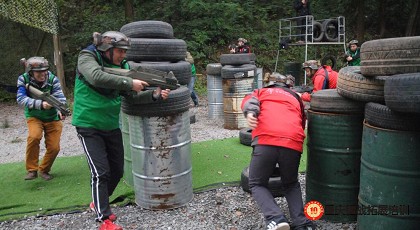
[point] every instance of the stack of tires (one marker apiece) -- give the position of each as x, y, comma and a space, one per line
333, 153
160, 136
238, 71
389, 175
388, 84
214, 90
326, 30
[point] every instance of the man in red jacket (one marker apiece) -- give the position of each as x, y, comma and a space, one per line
323, 77
276, 115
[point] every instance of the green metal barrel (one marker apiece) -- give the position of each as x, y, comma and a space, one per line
389, 180
333, 169
128, 174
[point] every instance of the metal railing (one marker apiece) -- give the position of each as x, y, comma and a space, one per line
306, 31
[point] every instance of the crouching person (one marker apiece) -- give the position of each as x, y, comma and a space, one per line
41, 117
277, 119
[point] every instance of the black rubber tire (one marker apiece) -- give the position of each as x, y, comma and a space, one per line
353, 85
329, 57
214, 69
148, 29
177, 102
229, 71
318, 32
381, 116
245, 136
181, 69
151, 49
402, 92
390, 56
330, 101
235, 59
274, 184
330, 28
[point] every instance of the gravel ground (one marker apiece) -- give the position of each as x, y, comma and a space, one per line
224, 208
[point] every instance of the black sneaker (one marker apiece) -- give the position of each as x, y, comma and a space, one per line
278, 223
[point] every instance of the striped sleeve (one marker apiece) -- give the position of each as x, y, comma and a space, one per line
22, 97
56, 90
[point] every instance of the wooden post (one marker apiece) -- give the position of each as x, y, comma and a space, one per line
58, 61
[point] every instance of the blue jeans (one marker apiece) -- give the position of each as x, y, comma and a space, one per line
191, 88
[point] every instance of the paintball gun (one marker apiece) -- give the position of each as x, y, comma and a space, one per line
46, 96
154, 78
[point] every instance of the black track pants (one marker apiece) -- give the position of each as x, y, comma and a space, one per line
105, 156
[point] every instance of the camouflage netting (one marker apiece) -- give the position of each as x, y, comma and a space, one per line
27, 28
41, 14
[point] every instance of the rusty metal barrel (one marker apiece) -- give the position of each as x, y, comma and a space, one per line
128, 175
389, 179
334, 149
161, 153
215, 96
234, 91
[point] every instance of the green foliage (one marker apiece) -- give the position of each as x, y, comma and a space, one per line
208, 27
200, 86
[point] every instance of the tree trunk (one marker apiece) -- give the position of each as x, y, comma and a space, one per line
412, 20
129, 10
360, 19
382, 19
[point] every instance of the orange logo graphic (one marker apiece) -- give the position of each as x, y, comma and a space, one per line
313, 210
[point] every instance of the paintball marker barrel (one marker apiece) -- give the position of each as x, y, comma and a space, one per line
46, 96
154, 78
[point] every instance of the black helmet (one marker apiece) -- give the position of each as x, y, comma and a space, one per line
111, 39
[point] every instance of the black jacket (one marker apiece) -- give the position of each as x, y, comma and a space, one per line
302, 10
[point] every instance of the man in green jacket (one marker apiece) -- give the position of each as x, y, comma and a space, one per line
353, 54
97, 105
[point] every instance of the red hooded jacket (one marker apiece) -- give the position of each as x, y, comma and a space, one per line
281, 121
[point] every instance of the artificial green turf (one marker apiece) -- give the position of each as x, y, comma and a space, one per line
215, 163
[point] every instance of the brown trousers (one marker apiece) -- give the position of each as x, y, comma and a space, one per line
52, 133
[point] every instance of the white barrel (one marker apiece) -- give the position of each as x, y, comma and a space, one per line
215, 96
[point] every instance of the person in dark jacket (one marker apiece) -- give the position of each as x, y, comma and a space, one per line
302, 8
97, 106
277, 140
40, 116
242, 47
353, 53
